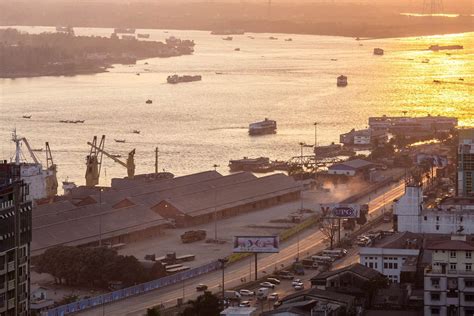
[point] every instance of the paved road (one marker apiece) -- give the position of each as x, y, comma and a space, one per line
311, 241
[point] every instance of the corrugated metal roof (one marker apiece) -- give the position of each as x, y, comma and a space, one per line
351, 165
241, 193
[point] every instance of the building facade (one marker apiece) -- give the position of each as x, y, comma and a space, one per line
15, 238
465, 172
449, 280
391, 254
451, 216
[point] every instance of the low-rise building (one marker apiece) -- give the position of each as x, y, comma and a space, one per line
449, 280
353, 276
451, 216
350, 168
393, 254
363, 137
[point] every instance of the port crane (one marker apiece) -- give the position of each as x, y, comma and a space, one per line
94, 161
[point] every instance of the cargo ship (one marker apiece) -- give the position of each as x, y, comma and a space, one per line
249, 164
174, 79
263, 127
42, 182
446, 47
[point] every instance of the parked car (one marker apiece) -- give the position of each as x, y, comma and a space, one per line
296, 281
299, 287
273, 297
232, 295
201, 287
285, 274
274, 281
245, 292
267, 284
244, 304
277, 304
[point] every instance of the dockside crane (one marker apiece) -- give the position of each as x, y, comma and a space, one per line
94, 161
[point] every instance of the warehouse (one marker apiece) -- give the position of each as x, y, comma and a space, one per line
351, 167
231, 200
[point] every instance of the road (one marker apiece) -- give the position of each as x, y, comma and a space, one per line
310, 242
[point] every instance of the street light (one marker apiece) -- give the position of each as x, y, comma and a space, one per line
100, 217
223, 261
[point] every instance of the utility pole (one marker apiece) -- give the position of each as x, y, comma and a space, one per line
156, 160
100, 217
223, 262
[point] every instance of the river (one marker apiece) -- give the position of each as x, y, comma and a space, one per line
199, 124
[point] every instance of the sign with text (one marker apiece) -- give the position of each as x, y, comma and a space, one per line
340, 210
262, 244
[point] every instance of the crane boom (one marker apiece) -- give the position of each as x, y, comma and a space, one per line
107, 154
29, 149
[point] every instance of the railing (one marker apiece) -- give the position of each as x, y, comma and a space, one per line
11, 266
11, 303
130, 291
11, 285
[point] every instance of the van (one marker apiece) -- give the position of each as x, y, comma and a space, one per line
322, 259
232, 295
338, 253
262, 293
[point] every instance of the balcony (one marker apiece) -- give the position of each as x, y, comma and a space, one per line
11, 266
23, 260
11, 303
438, 270
22, 278
11, 285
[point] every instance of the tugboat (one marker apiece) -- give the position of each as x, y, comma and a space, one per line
263, 127
119, 140
228, 38
378, 51
136, 131
341, 81
174, 79
149, 101
273, 38
237, 49
26, 116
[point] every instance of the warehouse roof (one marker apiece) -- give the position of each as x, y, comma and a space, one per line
355, 164
226, 197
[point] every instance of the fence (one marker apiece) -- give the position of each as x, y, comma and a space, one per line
130, 291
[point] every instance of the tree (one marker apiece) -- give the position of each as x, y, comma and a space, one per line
205, 305
153, 312
329, 228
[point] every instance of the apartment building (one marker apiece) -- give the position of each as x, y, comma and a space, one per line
449, 279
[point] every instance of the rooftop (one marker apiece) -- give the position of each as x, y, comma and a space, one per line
354, 164
355, 268
404, 240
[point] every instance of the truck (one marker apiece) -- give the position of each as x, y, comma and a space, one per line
232, 295
262, 293
193, 235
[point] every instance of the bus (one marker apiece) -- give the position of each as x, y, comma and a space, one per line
338, 253
323, 259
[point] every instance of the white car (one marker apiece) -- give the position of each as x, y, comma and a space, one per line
245, 292
299, 287
267, 284
296, 281
244, 304
274, 281
273, 297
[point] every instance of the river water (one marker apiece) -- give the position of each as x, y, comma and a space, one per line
199, 124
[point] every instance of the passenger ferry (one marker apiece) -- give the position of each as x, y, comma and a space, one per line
263, 127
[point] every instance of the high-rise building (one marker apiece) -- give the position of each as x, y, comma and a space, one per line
465, 174
15, 239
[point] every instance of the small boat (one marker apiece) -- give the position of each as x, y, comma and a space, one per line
136, 131
116, 155
341, 81
26, 116
79, 121
436, 81
174, 79
219, 73
425, 61
251, 37
288, 39
119, 140
149, 101
333, 59
272, 38
37, 149
228, 38
436, 48
138, 74
357, 38
378, 51
461, 79
237, 49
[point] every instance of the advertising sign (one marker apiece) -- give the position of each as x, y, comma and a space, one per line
262, 244
341, 210
436, 160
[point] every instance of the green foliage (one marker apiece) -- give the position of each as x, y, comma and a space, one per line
153, 312
205, 305
94, 267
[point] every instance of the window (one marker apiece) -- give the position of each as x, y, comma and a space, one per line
468, 267
460, 219
426, 218
468, 254
385, 265
435, 282
469, 297
395, 265
452, 254
390, 266
435, 296
437, 218
437, 227
375, 265
452, 266
435, 311
371, 265
469, 282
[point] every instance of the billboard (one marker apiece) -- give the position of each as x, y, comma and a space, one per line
438, 161
340, 210
262, 244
